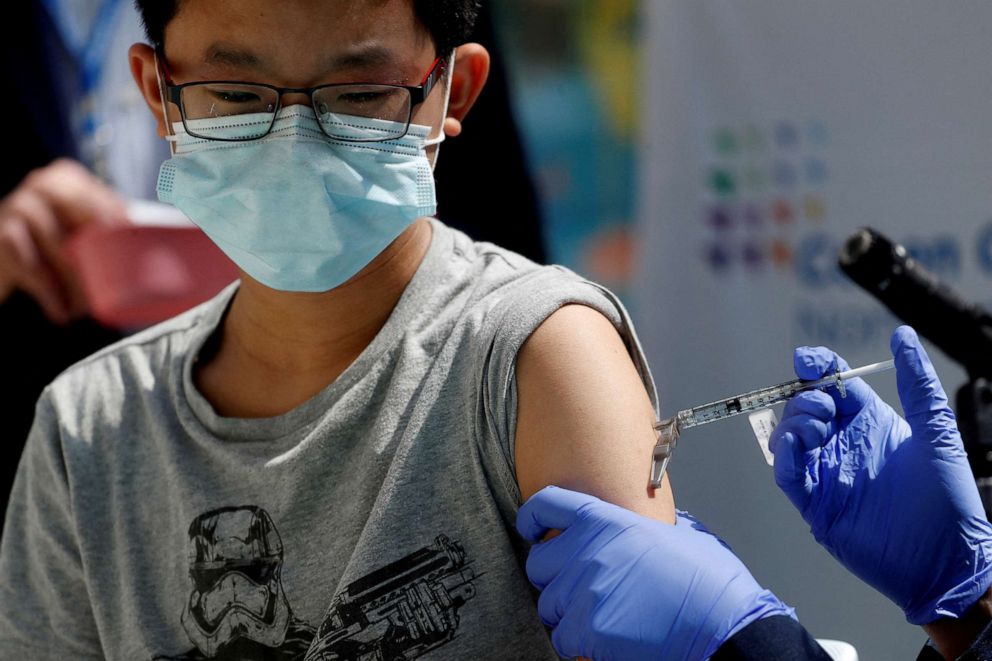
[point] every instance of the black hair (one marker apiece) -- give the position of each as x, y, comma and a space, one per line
450, 22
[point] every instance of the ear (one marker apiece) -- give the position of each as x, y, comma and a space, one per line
467, 80
143, 68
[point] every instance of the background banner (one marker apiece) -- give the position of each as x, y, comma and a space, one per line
772, 129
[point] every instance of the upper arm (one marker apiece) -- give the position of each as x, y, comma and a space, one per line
584, 418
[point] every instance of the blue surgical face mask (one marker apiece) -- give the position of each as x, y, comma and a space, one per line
296, 210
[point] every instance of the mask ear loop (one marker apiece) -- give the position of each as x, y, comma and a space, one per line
170, 136
449, 74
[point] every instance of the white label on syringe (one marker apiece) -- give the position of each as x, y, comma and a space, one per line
763, 422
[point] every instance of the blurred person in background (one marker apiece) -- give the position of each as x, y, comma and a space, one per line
86, 144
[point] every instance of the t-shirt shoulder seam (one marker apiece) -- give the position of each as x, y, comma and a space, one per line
127, 343
498, 252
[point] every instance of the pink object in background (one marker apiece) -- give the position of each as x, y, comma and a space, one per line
138, 275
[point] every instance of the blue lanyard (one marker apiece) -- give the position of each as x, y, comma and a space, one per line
91, 52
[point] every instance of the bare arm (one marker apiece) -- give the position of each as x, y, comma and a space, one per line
584, 419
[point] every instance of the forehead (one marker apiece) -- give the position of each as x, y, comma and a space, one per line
296, 35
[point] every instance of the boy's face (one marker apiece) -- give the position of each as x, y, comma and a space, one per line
303, 43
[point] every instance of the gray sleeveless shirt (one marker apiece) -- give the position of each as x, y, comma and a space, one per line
374, 521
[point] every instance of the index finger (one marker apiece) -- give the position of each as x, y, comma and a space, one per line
812, 363
551, 508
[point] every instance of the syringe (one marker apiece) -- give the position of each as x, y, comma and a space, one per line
670, 428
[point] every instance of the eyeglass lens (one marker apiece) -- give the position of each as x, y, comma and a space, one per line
382, 111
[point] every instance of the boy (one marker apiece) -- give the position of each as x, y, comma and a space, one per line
325, 461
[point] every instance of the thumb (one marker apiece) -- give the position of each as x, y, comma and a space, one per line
551, 508
924, 402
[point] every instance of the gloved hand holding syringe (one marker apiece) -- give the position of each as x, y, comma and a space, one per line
670, 428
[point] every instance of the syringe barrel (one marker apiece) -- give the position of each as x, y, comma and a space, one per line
750, 401
765, 397
760, 399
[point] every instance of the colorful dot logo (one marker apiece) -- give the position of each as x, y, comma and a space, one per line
722, 181
763, 183
725, 142
780, 253
817, 133
753, 215
754, 139
814, 208
782, 212
816, 171
786, 135
720, 218
753, 179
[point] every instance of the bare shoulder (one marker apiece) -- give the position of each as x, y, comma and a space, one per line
584, 418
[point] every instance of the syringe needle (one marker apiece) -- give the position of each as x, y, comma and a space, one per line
668, 436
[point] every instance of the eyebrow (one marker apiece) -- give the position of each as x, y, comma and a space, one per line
360, 57
221, 53
363, 56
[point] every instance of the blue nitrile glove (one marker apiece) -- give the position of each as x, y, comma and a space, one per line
894, 502
617, 585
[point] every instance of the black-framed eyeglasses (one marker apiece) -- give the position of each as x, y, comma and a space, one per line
353, 112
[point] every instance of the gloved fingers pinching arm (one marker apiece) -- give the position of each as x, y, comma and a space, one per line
622, 586
549, 509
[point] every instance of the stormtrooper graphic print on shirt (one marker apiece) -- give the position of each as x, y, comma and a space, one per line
238, 608
400, 611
